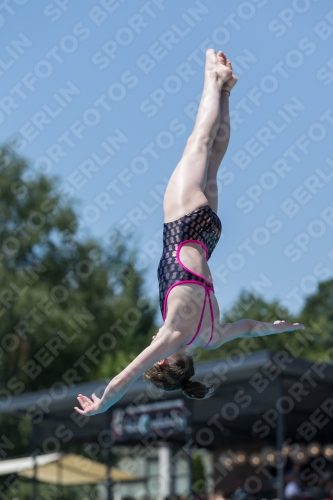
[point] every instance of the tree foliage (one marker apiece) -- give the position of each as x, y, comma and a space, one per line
71, 310
317, 316
199, 479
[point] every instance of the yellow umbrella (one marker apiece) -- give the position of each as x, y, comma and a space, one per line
74, 469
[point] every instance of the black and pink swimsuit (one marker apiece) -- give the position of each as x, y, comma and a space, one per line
202, 226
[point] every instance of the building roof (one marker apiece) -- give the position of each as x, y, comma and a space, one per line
262, 377
235, 368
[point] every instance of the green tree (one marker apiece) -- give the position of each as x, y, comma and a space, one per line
317, 316
199, 483
71, 309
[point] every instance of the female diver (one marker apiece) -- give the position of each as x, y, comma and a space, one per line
189, 308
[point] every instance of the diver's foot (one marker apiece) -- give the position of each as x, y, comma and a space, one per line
229, 84
216, 67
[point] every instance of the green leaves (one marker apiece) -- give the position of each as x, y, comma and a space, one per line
69, 307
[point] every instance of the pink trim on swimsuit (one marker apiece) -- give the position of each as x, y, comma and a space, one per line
208, 288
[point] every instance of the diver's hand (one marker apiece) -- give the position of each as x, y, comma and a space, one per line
91, 406
283, 326
260, 328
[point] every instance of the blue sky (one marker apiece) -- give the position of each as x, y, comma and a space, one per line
103, 94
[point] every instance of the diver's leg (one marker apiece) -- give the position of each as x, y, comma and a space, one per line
221, 141
185, 191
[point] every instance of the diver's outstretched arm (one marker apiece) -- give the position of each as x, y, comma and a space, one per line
166, 344
251, 328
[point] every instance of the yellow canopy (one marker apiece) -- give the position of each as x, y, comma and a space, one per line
74, 469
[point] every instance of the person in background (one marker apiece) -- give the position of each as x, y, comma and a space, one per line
294, 488
240, 492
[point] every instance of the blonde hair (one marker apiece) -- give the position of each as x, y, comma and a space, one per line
176, 375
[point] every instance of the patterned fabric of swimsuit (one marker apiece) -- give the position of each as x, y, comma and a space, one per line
201, 224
